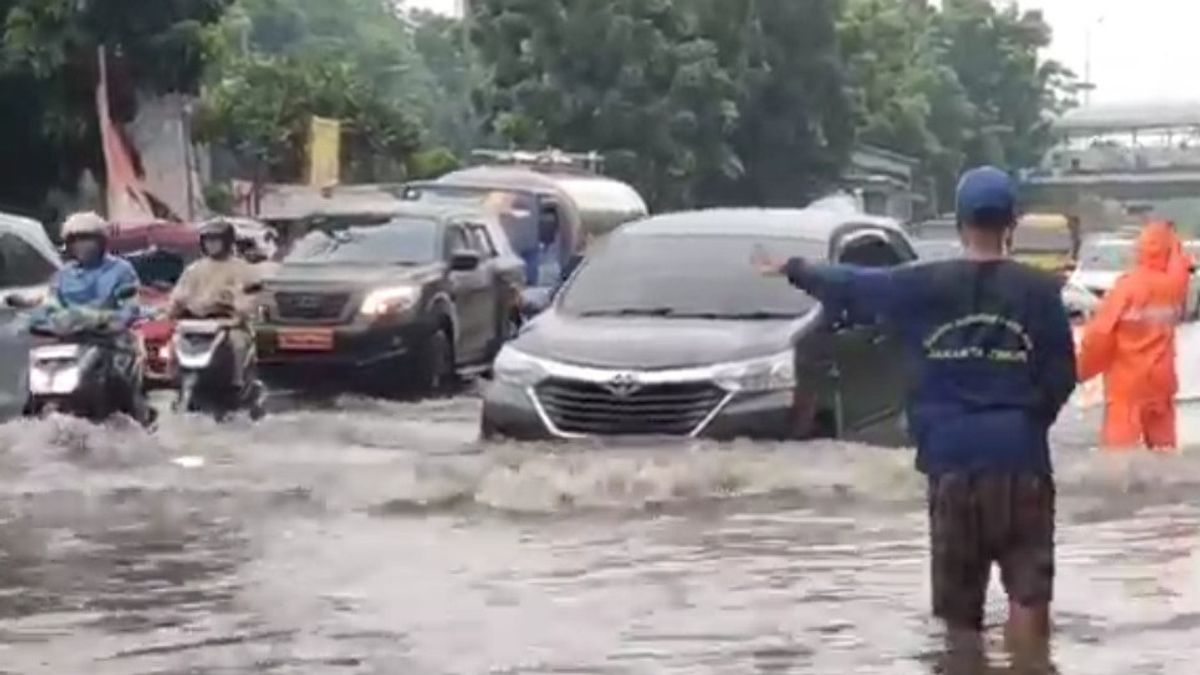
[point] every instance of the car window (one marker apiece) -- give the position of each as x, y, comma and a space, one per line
687, 276
1106, 256
398, 241
22, 264
158, 267
457, 240
869, 248
481, 240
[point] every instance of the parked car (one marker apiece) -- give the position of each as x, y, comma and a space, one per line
666, 330
1103, 259
160, 252
28, 261
1081, 303
409, 299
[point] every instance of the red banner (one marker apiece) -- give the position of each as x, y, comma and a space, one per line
126, 199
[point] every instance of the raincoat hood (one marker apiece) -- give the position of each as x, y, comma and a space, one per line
1155, 247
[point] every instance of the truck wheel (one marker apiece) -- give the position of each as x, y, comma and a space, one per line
435, 371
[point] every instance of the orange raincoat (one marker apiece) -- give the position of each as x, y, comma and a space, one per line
1131, 341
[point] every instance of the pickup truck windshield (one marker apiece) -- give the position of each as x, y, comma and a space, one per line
401, 241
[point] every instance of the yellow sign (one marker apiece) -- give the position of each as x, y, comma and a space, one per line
324, 152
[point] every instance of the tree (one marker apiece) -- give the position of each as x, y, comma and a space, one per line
48, 73
263, 105
631, 78
996, 55
795, 128
713, 100
962, 86
453, 78
285, 61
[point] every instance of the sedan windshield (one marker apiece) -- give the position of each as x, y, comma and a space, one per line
686, 277
1107, 256
401, 241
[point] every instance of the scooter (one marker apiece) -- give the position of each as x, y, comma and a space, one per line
80, 366
204, 359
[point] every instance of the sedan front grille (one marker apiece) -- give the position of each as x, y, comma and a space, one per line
311, 306
675, 409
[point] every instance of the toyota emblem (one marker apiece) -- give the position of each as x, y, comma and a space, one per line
624, 385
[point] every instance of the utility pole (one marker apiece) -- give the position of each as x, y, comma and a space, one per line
1089, 86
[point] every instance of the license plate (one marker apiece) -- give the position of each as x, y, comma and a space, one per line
306, 340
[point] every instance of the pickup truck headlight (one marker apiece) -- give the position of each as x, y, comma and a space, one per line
388, 300
772, 373
517, 369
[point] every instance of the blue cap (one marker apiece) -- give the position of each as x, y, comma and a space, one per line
986, 190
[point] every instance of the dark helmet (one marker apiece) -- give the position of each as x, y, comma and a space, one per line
220, 230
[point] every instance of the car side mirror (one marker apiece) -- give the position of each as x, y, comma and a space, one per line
464, 261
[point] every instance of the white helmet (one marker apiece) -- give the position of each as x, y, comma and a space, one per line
85, 224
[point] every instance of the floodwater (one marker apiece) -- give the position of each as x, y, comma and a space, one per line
384, 538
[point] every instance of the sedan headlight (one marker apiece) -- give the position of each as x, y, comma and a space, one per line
518, 369
388, 300
773, 373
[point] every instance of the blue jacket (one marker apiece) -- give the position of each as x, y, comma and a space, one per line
990, 353
96, 287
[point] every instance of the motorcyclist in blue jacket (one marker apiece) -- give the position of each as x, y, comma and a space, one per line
99, 285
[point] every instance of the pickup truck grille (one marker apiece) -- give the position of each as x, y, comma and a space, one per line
656, 409
311, 306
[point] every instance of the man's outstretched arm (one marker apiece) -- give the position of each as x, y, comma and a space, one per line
864, 293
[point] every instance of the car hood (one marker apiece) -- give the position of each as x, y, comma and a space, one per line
643, 343
347, 275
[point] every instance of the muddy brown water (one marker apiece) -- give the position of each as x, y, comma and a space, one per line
383, 538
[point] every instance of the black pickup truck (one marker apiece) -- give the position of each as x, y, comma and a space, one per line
401, 302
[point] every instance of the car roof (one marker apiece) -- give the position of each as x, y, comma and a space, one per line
32, 232
818, 224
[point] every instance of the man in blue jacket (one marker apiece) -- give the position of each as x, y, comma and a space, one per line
993, 362
96, 281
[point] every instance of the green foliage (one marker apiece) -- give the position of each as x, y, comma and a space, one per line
956, 87
681, 97
48, 73
432, 163
262, 108
357, 61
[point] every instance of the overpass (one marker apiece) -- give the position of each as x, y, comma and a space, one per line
1111, 158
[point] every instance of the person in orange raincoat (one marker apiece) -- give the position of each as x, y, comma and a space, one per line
1131, 341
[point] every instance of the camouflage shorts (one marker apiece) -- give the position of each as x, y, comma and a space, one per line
975, 521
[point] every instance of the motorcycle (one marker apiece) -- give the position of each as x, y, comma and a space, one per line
204, 359
84, 364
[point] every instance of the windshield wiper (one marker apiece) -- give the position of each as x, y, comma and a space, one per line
630, 311
760, 315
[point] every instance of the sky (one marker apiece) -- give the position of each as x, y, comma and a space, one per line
1143, 50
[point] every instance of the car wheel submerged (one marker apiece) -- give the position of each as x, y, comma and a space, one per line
434, 369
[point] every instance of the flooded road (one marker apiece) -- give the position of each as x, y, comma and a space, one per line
384, 538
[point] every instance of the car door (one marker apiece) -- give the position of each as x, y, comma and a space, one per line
473, 297
871, 363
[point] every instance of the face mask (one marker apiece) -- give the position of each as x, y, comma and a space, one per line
84, 250
213, 248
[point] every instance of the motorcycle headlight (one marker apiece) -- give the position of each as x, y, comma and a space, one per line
387, 300
772, 373
517, 369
